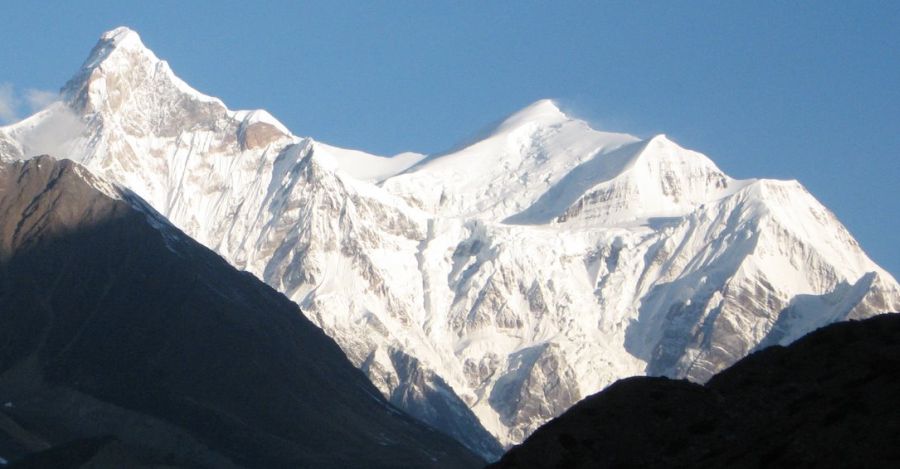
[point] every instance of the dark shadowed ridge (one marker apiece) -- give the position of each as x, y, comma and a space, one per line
829, 399
124, 343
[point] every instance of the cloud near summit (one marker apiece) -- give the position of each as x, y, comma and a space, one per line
11, 102
8, 104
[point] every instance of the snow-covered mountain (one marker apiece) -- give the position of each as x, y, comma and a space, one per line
493, 286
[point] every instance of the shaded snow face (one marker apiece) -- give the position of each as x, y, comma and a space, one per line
487, 289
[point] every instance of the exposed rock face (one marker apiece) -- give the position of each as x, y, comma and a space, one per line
544, 390
827, 400
613, 256
116, 324
259, 135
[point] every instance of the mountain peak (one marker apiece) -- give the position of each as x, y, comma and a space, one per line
122, 36
661, 139
544, 112
122, 71
121, 39
544, 106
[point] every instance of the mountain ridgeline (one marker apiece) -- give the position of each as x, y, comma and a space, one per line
485, 290
127, 343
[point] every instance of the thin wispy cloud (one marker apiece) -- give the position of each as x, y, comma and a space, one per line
39, 99
31, 99
9, 103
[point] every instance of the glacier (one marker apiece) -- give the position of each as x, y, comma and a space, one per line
487, 289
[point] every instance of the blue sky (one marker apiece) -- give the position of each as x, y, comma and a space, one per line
790, 90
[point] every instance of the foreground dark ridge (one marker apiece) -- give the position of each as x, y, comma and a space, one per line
827, 400
123, 342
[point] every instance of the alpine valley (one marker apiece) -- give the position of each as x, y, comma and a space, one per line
488, 289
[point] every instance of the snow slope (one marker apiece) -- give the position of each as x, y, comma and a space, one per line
491, 287
496, 177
